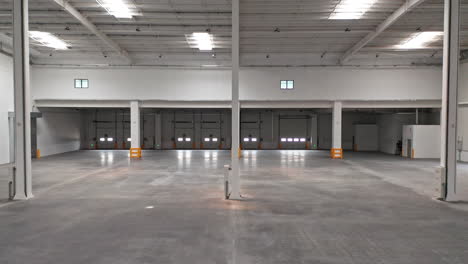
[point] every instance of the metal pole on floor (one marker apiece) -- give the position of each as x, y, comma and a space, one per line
450, 100
22, 178
235, 144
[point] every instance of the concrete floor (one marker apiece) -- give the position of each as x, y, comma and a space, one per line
299, 207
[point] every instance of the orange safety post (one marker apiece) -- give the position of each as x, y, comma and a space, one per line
38, 154
135, 153
336, 153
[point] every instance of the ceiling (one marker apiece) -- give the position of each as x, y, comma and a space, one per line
272, 33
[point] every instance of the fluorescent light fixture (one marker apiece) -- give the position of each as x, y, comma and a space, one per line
421, 40
296, 140
117, 8
283, 139
246, 139
254, 139
49, 40
110, 139
201, 40
102, 139
207, 139
290, 140
303, 140
129, 139
214, 139
180, 139
188, 139
351, 9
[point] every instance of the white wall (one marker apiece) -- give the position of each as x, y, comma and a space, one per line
58, 132
255, 84
425, 141
6, 105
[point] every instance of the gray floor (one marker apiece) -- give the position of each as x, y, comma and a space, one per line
299, 207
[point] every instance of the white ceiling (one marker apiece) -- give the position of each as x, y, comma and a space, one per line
306, 36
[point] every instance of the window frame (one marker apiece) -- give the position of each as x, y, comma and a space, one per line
286, 85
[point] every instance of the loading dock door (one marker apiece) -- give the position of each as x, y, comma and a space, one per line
210, 131
184, 130
148, 138
105, 124
293, 132
250, 131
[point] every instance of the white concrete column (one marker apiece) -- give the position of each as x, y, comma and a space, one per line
22, 180
336, 125
450, 100
234, 181
135, 124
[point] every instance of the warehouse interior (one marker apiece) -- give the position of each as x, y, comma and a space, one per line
234, 131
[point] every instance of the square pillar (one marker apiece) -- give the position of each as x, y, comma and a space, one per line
22, 128
448, 160
135, 124
337, 150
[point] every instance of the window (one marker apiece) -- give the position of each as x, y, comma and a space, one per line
81, 83
287, 85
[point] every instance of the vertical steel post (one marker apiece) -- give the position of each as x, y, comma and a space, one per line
450, 99
235, 144
23, 186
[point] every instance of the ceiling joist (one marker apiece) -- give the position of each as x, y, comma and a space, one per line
404, 9
88, 24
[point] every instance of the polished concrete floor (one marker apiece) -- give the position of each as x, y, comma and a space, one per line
298, 207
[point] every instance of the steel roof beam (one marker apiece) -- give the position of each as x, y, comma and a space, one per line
88, 24
404, 9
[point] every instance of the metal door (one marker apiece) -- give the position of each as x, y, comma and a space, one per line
148, 130
409, 148
210, 128
106, 128
184, 127
250, 130
293, 132
33, 137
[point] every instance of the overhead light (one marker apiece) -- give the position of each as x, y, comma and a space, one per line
420, 40
48, 39
351, 9
201, 40
117, 8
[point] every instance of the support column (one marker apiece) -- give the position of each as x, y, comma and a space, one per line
337, 150
135, 132
234, 181
450, 100
22, 180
